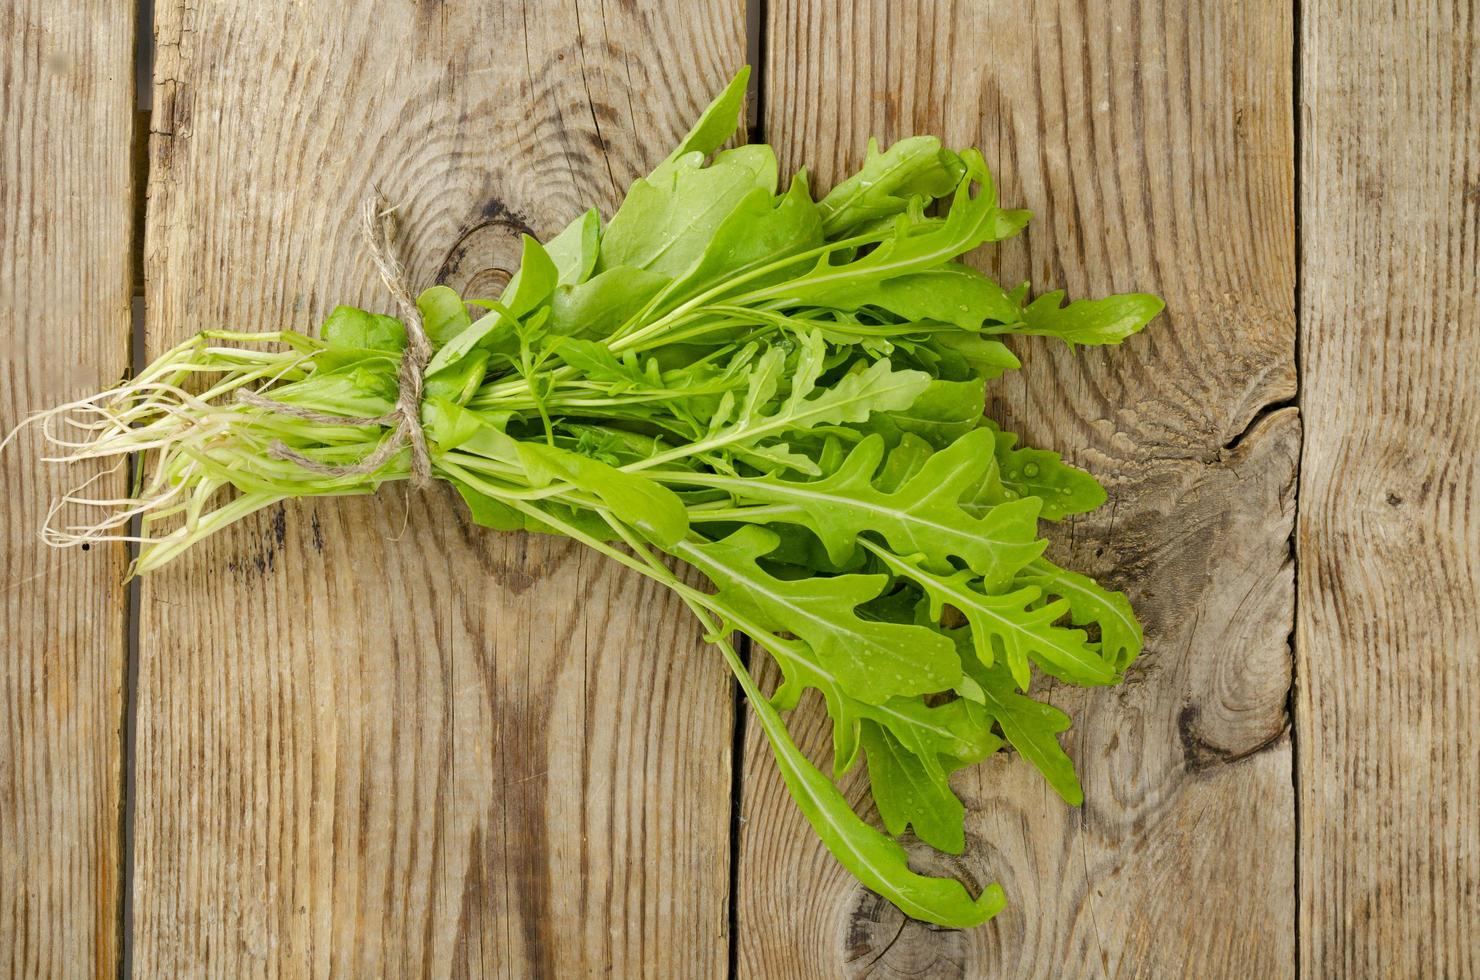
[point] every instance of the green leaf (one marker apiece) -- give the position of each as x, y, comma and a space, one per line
451, 426
851, 399
447, 424
536, 278
595, 361
1089, 321
1031, 727
487, 511
989, 358
601, 304
907, 458
923, 515
872, 660
574, 249
910, 792
758, 232
460, 381
874, 859
944, 412
668, 219
635, 500
951, 293
1014, 621
972, 220
913, 167
1026, 472
364, 388
954, 732
1090, 604
354, 329
443, 315
529, 288
717, 123
493, 513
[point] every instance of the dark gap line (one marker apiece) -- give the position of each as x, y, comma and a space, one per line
128, 734
737, 788
1297, 150
755, 55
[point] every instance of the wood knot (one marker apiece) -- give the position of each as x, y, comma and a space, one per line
1201, 752
485, 256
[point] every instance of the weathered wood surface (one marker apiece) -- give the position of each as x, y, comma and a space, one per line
374, 740
523, 768
66, 101
1389, 543
1155, 142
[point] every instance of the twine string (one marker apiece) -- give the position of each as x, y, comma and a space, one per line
378, 225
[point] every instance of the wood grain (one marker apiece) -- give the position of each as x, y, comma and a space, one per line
374, 740
1389, 519
66, 98
1155, 142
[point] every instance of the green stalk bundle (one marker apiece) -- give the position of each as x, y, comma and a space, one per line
785, 393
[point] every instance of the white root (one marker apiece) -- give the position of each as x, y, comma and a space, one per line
180, 443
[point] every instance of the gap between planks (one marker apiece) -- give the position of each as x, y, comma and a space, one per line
1291, 697
128, 730
755, 55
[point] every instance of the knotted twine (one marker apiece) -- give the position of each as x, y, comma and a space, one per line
378, 225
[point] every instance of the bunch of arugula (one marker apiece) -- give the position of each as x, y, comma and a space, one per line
786, 394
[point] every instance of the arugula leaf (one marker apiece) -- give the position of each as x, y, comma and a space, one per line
913, 167
599, 305
874, 859
527, 290
1027, 472
851, 399
1088, 321
872, 660
1090, 604
923, 515
574, 250
669, 218
595, 361
650, 507
757, 233
717, 123
944, 412
951, 293
909, 791
988, 358
973, 219
1014, 621
1031, 727
955, 731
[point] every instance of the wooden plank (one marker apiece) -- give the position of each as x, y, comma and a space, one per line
1155, 142
1389, 530
375, 740
66, 98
